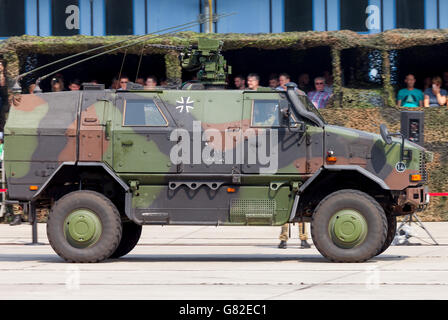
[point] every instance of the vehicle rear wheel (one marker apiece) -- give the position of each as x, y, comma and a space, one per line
84, 226
129, 239
349, 226
391, 231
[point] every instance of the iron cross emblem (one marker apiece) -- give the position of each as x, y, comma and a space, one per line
187, 104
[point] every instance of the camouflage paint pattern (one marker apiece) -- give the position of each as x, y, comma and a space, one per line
46, 130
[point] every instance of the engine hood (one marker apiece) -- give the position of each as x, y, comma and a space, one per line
369, 151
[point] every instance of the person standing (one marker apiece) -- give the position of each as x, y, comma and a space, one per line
3, 94
284, 236
240, 82
273, 81
410, 96
319, 97
150, 83
253, 81
2, 82
304, 82
435, 96
328, 82
283, 79
123, 82
57, 84
75, 85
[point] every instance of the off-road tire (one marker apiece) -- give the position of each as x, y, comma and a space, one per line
391, 232
130, 235
108, 215
360, 202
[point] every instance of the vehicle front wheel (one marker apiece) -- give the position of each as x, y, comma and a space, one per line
129, 239
391, 232
84, 226
349, 226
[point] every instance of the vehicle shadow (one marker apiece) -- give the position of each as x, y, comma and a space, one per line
299, 257
309, 258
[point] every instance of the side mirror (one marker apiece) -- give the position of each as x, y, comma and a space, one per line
385, 134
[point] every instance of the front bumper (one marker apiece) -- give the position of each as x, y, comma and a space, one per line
418, 196
411, 200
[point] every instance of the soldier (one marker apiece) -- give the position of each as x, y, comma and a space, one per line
17, 212
284, 235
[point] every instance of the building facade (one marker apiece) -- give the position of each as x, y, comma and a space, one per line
128, 17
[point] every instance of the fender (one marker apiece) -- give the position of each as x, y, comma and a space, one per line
308, 182
126, 189
362, 171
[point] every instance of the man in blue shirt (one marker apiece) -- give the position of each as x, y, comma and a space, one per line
410, 97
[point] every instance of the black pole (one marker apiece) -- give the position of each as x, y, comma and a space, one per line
38, 17
91, 17
34, 224
32, 218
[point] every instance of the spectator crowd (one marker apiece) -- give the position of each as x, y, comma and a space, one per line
434, 92
319, 94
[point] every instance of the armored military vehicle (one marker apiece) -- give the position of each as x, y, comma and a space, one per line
109, 161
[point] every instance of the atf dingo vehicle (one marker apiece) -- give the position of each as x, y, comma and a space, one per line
109, 161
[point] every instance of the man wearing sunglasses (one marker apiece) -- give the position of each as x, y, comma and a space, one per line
123, 82
319, 97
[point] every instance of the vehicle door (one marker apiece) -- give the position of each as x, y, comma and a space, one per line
141, 132
273, 146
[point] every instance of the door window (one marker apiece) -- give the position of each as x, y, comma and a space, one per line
265, 113
143, 113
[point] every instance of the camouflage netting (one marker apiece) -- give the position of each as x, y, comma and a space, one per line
15, 48
370, 105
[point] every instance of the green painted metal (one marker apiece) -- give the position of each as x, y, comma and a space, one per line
82, 228
348, 228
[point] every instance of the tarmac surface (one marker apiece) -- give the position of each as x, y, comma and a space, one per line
198, 262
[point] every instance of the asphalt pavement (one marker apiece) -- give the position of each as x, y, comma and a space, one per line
202, 262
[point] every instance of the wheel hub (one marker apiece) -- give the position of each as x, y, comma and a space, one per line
348, 228
82, 228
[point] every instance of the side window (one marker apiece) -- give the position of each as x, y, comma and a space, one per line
265, 113
143, 113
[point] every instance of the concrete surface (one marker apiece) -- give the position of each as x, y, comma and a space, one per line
222, 263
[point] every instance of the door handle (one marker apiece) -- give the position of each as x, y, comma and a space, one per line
108, 129
127, 143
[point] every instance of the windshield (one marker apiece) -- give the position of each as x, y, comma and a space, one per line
308, 105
